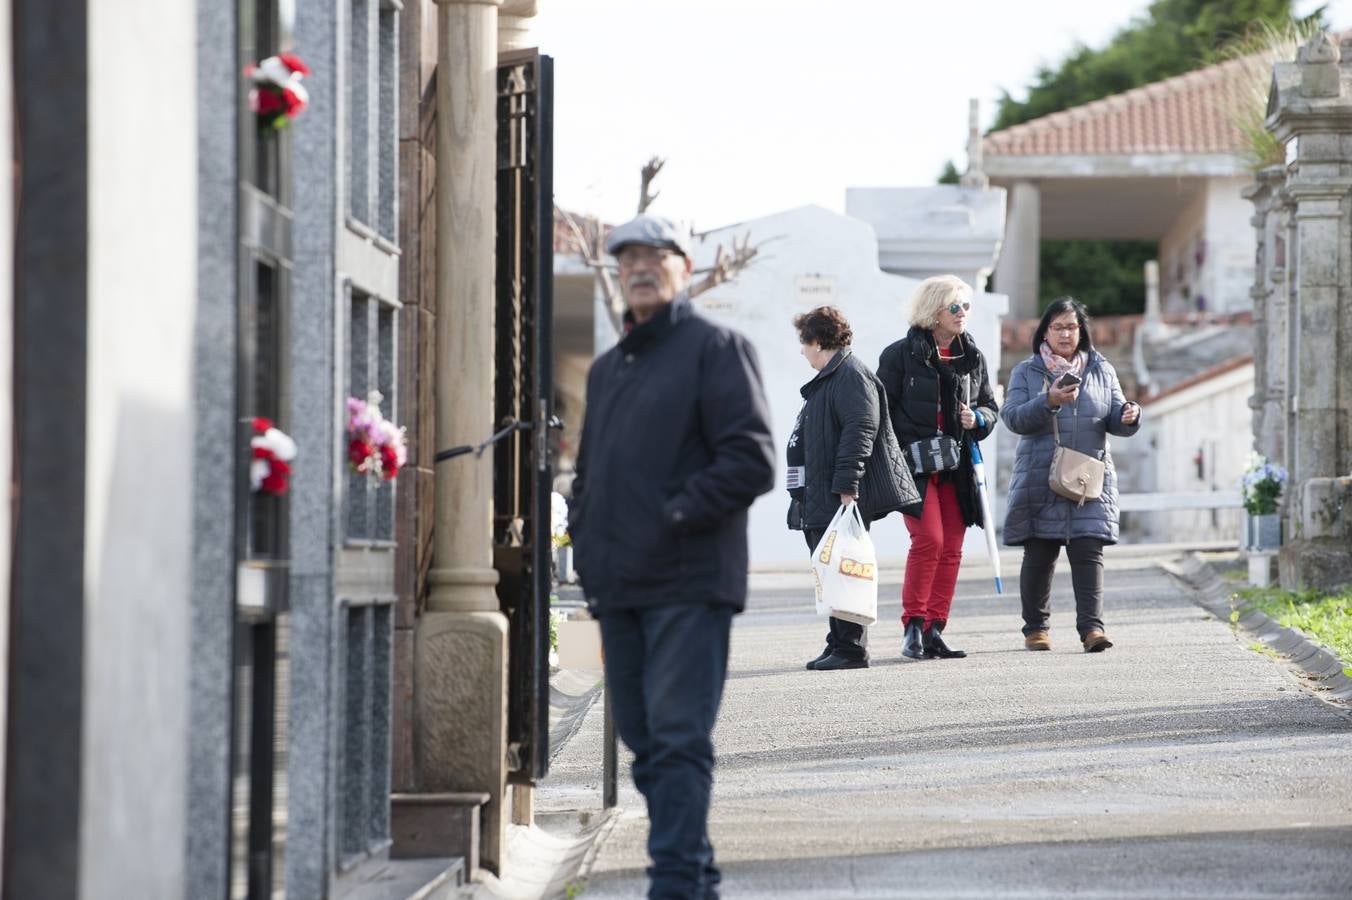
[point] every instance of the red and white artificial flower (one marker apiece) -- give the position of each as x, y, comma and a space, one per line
278, 96
375, 445
273, 451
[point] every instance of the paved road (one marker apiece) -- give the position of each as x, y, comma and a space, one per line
1178, 764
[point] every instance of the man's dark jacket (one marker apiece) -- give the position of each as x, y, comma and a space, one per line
849, 447
915, 381
675, 445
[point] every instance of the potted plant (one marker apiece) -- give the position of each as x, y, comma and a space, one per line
1261, 489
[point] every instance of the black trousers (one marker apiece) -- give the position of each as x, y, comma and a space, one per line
845, 639
1086, 576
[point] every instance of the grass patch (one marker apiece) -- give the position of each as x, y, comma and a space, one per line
1259, 647
1327, 618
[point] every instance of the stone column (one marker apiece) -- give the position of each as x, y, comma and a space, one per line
1312, 105
461, 654
1016, 273
514, 24
1153, 324
1268, 294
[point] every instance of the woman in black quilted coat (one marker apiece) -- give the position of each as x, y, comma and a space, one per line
842, 451
938, 384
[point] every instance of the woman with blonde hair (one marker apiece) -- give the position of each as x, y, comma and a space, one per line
939, 399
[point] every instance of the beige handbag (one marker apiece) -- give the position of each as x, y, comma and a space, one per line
1074, 475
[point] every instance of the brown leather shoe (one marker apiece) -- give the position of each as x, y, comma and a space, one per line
1096, 642
1038, 640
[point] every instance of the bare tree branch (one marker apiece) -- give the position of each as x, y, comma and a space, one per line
592, 254
728, 264
650, 172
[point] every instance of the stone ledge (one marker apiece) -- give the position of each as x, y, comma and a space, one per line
415, 879
1316, 661
435, 825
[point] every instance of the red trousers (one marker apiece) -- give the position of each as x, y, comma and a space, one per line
936, 553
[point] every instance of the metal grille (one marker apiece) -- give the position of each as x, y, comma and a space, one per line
523, 470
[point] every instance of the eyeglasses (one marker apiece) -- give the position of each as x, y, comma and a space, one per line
1063, 329
955, 308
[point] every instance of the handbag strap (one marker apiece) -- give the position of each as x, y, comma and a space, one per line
1056, 414
1056, 431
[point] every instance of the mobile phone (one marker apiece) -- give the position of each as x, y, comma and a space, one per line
1068, 380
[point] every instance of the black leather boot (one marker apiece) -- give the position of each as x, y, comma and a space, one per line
935, 648
913, 643
821, 657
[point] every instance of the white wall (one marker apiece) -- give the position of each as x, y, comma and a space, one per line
1231, 244
814, 257
1180, 274
1213, 417
142, 265
1215, 226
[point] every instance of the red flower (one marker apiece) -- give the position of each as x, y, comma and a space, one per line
359, 451
266, 102
293, 62
261, 425
274, 483
389, 462
294, 105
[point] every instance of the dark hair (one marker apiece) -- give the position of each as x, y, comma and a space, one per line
824, 326
1057, 307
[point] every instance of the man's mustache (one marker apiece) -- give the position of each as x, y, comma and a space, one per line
639, 281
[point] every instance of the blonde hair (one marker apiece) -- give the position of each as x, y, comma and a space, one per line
933, 295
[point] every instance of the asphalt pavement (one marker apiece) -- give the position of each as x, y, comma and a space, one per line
1179, 763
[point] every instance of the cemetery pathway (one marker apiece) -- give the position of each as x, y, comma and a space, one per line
1180, 763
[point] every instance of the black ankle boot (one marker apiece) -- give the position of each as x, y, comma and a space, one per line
935, 648
913, 643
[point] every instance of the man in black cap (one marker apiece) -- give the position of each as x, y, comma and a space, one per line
675, 446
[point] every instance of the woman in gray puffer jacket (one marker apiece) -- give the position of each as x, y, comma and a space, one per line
1036, 518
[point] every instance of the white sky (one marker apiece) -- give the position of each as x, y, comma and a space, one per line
763, 105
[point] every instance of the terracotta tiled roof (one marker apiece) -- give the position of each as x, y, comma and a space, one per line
1185, 114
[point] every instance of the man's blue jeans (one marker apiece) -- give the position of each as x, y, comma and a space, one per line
665, 669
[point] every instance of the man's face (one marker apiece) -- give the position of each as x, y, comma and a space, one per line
651, 277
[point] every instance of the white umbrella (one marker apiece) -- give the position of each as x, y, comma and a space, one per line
987, 517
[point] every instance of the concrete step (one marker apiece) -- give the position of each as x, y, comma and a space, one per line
437, 825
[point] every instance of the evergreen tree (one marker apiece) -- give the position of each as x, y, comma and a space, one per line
1170, 38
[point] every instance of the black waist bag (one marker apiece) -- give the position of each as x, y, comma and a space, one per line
937, 454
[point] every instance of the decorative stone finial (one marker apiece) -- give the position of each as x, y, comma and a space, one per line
1318, 59
975, 176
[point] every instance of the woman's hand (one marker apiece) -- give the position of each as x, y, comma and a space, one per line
1131, 412
966, 416
846, 499
1058, 396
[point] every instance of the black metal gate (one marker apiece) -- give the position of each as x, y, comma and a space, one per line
523, 470
260, 681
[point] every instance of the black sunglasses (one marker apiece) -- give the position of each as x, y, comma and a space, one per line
954, 307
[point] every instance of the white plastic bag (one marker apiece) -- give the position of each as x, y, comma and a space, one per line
845, 569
